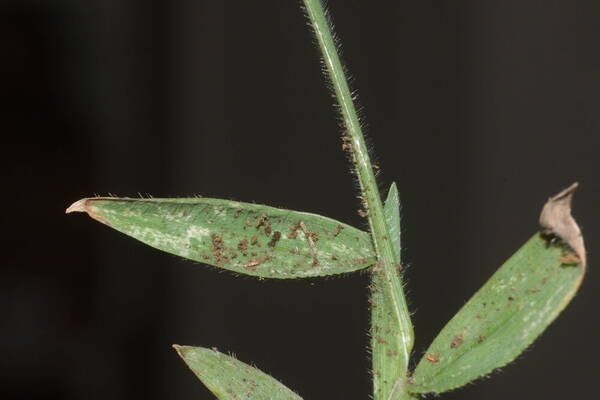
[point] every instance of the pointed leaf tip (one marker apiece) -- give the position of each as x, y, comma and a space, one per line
228, 378
78, 206
181, 350
556, 219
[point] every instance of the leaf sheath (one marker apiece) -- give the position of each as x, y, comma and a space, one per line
389, 352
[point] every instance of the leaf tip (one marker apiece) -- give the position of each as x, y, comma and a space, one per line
78, 206
179, 349
393, 190
85, 205
556, 219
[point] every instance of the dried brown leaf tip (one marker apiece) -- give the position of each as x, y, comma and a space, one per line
556, 219
78, 206
83, 206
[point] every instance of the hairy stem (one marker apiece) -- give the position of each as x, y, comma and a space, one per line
355, 143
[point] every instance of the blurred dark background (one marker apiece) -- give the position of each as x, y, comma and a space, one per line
479, 110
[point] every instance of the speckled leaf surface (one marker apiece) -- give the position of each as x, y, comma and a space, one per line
503, 318
389, 348
247, 238
231, 379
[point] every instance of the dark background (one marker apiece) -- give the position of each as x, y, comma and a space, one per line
479, 110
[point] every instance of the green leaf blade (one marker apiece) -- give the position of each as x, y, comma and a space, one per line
503, 318
228, 378
390, 343
246, 238
391, 212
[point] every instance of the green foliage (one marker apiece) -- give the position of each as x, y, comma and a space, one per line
390, 349
231, 379
247, 238
387, 279
504, 317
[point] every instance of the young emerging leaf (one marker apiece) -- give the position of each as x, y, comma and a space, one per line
507, 314
229, 379
390, 346
247, 238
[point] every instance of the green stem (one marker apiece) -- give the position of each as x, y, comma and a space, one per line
366, 178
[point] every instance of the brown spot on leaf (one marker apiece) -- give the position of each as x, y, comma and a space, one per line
221, 258
377, 267
274, 239
261, 221
457, 341
217, 248
392, 353
571, 258
268, 229
243, 245
312, 237
217, 242
256, 261
294, 230
346, 143
337, 230
380, 340
432, 357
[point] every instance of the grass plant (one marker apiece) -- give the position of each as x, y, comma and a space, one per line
500, 321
